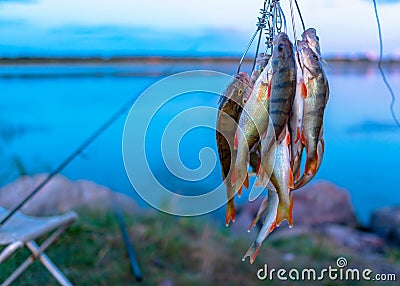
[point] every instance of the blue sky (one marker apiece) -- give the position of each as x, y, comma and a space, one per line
182, 27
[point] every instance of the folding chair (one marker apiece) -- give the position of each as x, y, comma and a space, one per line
21, 230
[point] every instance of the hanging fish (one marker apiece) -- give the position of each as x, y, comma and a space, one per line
230, 107
296, 119
314, 107
268, 226
252, 123
276, 174
282, 85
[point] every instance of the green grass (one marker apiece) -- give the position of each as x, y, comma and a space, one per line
185, 251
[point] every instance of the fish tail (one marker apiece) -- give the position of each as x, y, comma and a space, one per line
230, 212
285, 212
252, 252
309, 172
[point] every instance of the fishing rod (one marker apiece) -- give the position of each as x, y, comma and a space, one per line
70, 158
128, 243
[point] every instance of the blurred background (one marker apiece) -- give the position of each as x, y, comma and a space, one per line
66, 66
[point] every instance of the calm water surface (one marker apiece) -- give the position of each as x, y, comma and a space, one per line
46, 111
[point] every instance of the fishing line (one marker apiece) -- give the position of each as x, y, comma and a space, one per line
380, 67
69, 159
301, 16
293, 22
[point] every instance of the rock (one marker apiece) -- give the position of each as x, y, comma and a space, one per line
386, 223
321, 203
60, 195
358, 241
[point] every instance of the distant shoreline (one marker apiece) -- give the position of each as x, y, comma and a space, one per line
162, 60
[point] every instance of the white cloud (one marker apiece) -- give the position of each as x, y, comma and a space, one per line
344, 26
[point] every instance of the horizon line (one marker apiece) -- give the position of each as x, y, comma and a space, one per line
156, 59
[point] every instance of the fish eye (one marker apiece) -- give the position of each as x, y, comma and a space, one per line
315, 57
244, 100
280, 48
240, 91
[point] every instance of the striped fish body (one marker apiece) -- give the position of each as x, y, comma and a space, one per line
314, 107
283, 83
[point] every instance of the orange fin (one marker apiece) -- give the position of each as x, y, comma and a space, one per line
298, 135
230, 212
291, 179
240, 191
236, 141
298, 174
246, 181
288, 139
273, 226
290, 221
269, 90
303, 90
258, 165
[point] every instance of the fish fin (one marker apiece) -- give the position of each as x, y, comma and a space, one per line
273, 226
252, 252
269, 90
290, 221
309, 173
303, 89
298, 175
288, 139
240, 191
230, 212
298, 137
258, 164
246, 181
236, 141
291, 179
303, 140
261, 211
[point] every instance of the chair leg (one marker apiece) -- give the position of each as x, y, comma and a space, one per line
9, 250
49, 264
18, 271
37, 253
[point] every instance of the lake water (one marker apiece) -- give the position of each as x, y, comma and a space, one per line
47, 110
